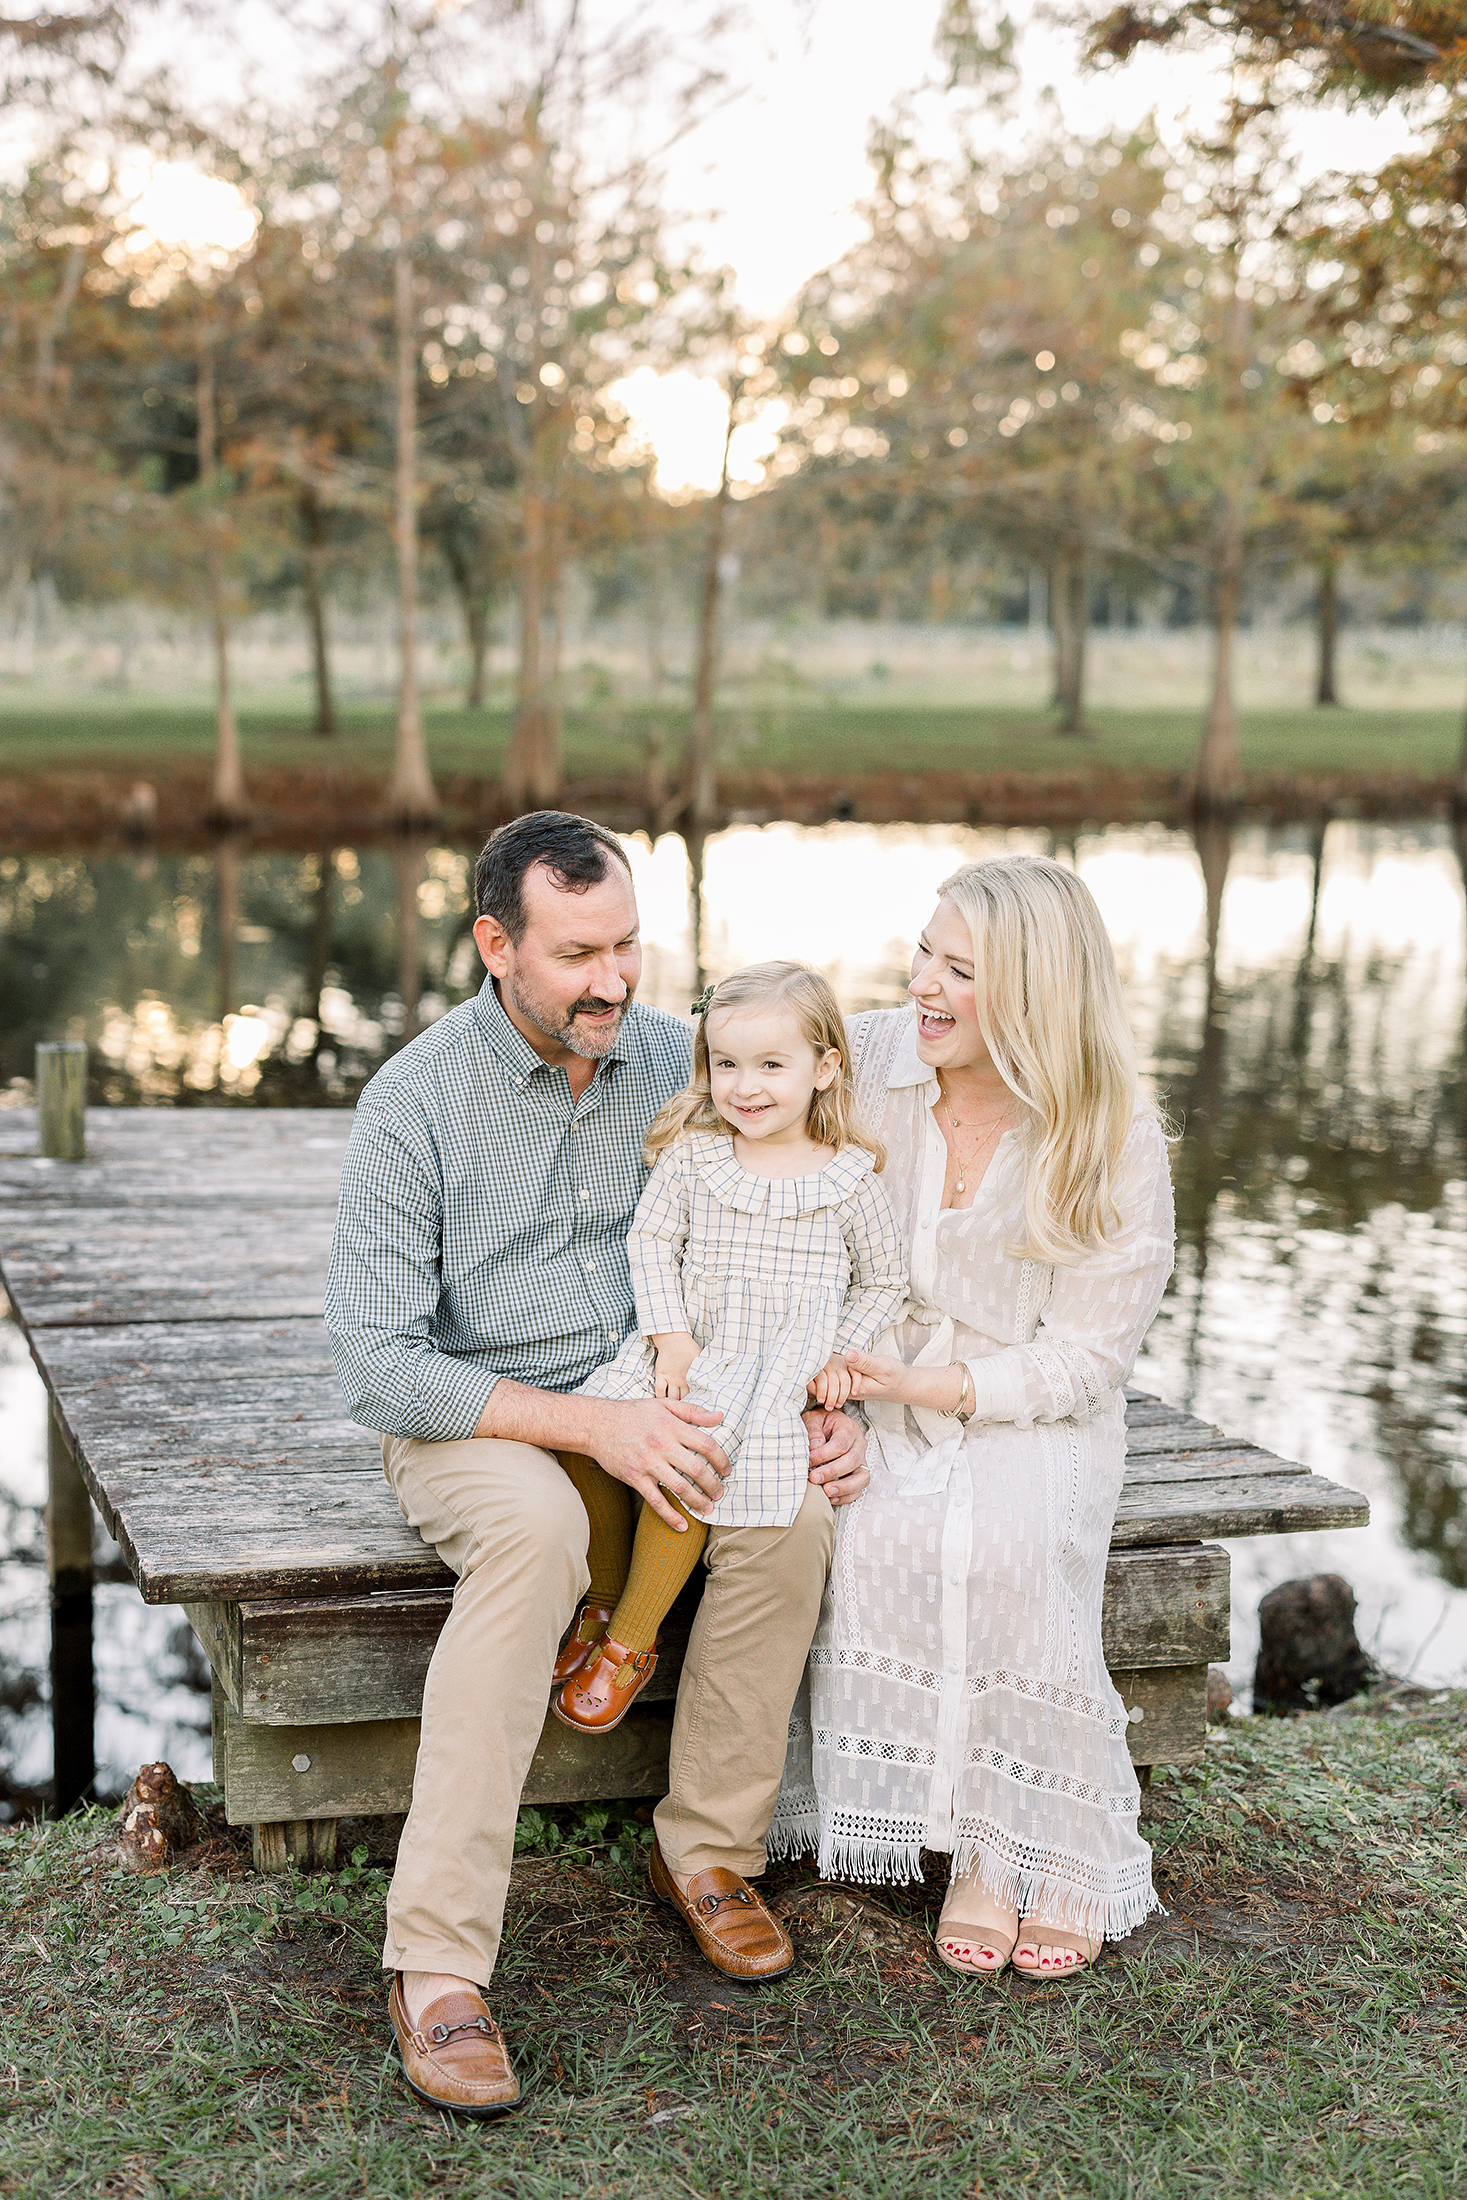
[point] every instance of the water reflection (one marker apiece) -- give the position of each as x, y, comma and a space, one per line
1301, 1001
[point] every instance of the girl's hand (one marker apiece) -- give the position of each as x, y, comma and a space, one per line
676, 1353
832, 1386
892, 1382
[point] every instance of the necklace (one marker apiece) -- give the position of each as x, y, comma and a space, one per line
964, 1166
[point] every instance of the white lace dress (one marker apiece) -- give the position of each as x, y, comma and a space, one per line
957, 1695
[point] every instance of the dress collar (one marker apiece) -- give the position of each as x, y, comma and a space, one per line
778, 1197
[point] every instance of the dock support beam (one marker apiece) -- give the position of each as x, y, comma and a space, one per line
69, 1568
61, 1099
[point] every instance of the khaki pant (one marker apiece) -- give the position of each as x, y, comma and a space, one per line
506, 1518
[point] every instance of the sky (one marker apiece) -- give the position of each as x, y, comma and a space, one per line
772, 179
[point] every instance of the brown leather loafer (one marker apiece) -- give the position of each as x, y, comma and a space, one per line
455, 2057
729, 1921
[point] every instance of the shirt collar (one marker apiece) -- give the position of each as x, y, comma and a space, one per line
510, 1043
907, 1065
778, 1197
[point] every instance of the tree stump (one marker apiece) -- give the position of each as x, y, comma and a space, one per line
1309, 1655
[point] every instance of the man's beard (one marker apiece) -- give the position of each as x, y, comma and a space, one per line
588, 1043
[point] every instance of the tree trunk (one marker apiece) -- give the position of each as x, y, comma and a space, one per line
474, 605
411, 797
656, 611
55, 322
696, 841
1069, 610
311, 564
1214, 778
476, 624
1327, 616
702, 779
320, 944
226, 913
228, 803
409, 936
532, 767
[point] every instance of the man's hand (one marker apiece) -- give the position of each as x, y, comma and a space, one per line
652, 1444
676, 1353
837, 1455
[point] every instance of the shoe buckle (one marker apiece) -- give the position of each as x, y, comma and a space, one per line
708, 1903
440, 2034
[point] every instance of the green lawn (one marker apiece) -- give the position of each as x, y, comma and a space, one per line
1294, 2029
837, 738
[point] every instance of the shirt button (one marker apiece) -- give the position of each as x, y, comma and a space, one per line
584, 1194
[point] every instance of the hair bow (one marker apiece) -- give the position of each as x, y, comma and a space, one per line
700, 1006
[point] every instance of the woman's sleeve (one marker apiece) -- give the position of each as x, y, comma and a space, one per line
1099, 1310
655, 1244
878, 1286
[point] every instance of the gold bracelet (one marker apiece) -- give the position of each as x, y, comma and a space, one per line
964, 1396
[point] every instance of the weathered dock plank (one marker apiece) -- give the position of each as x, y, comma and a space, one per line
302, 1661
223, 1461
171, 1285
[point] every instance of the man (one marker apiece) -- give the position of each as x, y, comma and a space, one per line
478, 1274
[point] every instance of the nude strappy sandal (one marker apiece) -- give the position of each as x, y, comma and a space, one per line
988, 1937
1051, 1936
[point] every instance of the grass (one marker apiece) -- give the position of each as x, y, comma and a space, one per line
839, 738
1295, 2028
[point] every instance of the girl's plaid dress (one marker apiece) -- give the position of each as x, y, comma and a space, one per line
770, 1275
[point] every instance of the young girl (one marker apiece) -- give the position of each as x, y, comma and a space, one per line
762, 1251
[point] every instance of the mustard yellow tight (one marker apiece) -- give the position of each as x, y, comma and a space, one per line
636, 1576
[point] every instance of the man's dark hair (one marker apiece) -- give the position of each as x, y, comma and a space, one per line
574, 850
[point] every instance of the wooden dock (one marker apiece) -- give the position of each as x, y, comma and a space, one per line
170, 1288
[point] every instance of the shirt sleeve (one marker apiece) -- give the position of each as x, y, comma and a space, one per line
655, 1244
878, 1286
1099, 1309
385, 1283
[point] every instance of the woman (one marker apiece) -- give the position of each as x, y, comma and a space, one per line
959, 1699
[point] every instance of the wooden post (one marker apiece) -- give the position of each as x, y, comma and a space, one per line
69, 1569
61, 1097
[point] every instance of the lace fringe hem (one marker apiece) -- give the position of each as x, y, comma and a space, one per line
1050, 1895
868, 1859
793, 1833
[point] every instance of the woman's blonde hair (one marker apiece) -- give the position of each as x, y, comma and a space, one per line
832, 1120
1048, 998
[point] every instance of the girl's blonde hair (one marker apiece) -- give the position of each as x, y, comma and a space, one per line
832, 1120
1048, 999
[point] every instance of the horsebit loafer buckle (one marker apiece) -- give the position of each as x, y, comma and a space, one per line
440, 2034
708, 1903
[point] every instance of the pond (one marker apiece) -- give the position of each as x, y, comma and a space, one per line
1300, 996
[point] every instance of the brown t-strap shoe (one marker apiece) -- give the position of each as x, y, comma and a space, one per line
455, 2056
599, 1697
592, 1621
729, 1921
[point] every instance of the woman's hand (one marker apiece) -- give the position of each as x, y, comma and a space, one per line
832, 1386
887, 1381
676, 1353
